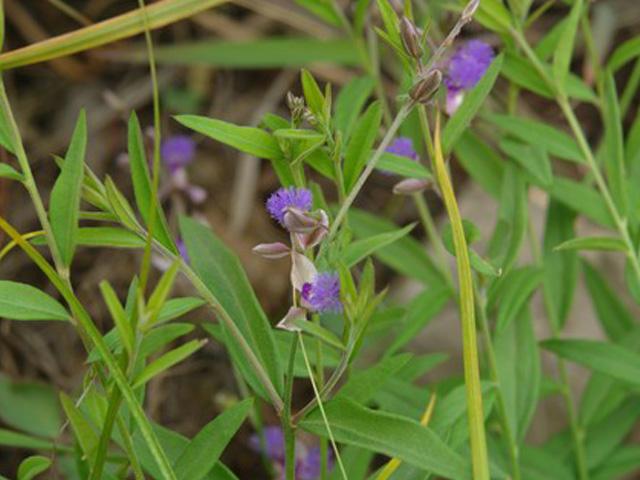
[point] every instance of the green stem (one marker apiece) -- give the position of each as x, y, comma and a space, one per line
87, 325
563, 102
480, 461
344, 208
107, 427
432, 233
287, 427
510, 441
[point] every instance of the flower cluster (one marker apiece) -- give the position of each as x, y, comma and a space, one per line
403, 147
465, 68
318, 292
307, 466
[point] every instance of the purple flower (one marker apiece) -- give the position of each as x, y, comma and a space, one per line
182, 250
177, 152
465, 69
273, 443
323, 294
307, 458
403, 147
285, 198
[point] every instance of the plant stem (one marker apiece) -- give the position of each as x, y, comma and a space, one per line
432, 233
287, 427
480, 462
511, 443
344, 208
583, 144
105, 436
86, 324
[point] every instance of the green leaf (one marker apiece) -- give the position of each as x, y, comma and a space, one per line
626, 52
83, 430
522, 73
174, 445
560, 267
389, 434
404, 166
481, 162
319, 332
221, 272
142, 184
583, 199
406, 255
263, 53
360, 249
420, 312
177, 307
20, 440
204, 450
622, 462
612, 244
359, 147
29, 407
362, 385
606, 358
119, 316
160, 336
312, 94
19, 301
161, 293
532, 158
108, 237
7, 171
167, 361
493, 15
349, 103
613, 315
33, 466
253, 141
564, 50
512, 292
539, 134
519, 371
390, 21
472, 102
614, 160
64, 208
321, 9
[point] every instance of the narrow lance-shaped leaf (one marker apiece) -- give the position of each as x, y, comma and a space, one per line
389, 434
167, 361
19, 301
64, 208
253, 141
33, 466
119, 316
82, 429
359, 147
221, 272
564, 51
142, 184
204, 450
614, 145
607, 358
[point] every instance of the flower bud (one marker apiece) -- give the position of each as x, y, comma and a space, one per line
289, 320
298, 221
313, 238
272, 250
411, 185
425, 88
410, 38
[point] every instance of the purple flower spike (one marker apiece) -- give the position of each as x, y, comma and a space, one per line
323, 294
177, 152
285, 198
403, 147
467, 65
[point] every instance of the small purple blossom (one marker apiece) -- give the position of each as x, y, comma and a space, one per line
177, 152
323, 294
307, 458
182, 250
403, 147
285, 198
465, 69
